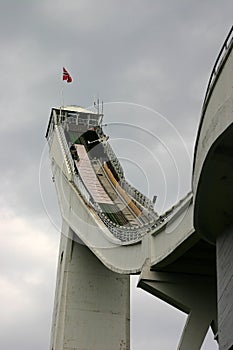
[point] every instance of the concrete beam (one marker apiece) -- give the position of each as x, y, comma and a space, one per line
193, 294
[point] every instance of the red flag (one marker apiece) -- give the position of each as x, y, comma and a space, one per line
66, 76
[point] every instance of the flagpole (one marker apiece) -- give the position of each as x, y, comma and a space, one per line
61, 97
65, 77
62, 94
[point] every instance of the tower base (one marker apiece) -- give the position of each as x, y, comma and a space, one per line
92, 303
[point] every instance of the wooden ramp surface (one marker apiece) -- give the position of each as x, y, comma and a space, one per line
89, 177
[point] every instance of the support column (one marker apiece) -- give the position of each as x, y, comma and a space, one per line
193, 294
224, 255
92, 303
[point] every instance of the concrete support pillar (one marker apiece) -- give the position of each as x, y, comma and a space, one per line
195, 330
92, 305
224, 255
193, 294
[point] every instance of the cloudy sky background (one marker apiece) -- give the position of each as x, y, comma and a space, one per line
150, 62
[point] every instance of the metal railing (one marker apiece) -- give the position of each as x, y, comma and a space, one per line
138, 196
123, 233
216, 68
111, 155
227, 45
82, 189
114, 161
65, 149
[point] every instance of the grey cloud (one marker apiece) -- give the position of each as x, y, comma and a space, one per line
157, 54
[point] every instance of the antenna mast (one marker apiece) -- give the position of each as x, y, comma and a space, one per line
98, 106
102, 107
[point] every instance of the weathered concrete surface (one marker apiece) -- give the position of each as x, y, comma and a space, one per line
92, 306
213, 172
225, 288
213, 186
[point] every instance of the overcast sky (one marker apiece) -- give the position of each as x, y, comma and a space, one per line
150, 62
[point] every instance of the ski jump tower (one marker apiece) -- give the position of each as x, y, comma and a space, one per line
110, 230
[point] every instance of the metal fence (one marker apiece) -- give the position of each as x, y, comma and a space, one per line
123, 233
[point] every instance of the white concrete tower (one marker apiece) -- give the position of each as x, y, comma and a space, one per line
101, 213
91, 309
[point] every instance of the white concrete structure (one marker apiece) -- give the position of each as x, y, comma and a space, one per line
111, 231
92, 309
